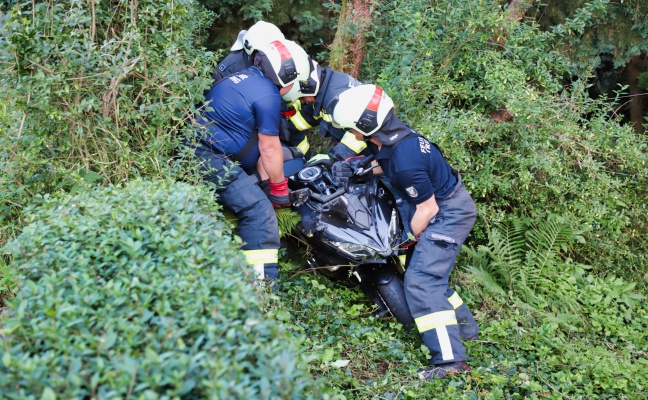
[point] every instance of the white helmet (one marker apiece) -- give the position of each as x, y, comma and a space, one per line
283, 62
308, 83
363, 108
261, 34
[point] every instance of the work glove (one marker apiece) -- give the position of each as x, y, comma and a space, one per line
279, 195
341, 171
319, 159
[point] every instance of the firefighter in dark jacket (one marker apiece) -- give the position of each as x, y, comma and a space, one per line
312, 103
308, 104
442, 214
237, 136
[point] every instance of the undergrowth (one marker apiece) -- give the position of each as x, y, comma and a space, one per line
599, 350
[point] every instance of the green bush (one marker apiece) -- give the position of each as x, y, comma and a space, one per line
97, 90
560, 153
138, 292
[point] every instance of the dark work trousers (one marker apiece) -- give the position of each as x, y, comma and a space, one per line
240, 193
437, 309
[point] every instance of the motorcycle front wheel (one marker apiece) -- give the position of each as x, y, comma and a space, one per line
393, 295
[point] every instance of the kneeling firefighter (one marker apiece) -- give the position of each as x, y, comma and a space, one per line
237, 138
441, 215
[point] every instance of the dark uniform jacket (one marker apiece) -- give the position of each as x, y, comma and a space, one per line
414, 167
234, 62
332, 83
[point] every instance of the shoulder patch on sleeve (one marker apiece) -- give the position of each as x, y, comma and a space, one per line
411, 191
221, 67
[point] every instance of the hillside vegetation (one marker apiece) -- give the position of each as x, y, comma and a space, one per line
120, 277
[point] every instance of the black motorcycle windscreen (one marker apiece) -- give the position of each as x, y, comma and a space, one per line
360, 217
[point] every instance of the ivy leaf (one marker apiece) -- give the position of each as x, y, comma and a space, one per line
340, 363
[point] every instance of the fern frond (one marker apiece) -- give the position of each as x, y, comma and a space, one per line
487, 281
545, 243
287, 220
568, 321
548, 239
477, 258
525, 261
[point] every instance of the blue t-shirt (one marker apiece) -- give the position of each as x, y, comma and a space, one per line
237, 107
417, 169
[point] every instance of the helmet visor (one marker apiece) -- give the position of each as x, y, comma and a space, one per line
310, 86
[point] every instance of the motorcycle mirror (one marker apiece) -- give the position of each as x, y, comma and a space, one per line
300, 196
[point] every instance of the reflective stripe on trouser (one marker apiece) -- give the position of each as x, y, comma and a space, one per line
468, 328
426, 278
264, 261
438, 333
240, 193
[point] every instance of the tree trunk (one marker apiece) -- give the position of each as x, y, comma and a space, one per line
348, 48
635, 104
517, 10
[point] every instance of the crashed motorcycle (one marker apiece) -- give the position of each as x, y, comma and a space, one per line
354, 232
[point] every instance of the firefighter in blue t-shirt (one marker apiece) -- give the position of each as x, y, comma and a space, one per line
441, 215
237, 132
295, 145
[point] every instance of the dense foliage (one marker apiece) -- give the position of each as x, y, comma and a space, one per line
489, 91
96, 91
307, 22
139, 292
597, 349
617, 29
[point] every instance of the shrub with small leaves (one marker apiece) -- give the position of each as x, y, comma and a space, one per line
98, 91
489, 91
140, 292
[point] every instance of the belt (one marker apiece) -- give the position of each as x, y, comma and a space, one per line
252, 142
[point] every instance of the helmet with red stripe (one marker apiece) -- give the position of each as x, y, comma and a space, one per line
363, 108
259, 35
283, 62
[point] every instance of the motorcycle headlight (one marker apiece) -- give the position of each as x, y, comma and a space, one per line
353, 250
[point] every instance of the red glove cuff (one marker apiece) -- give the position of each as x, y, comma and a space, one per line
280, 189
